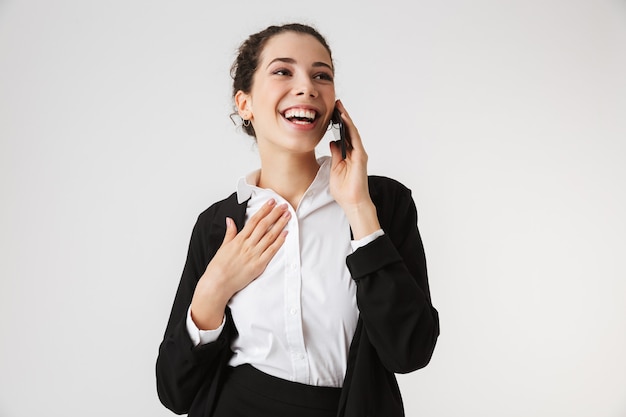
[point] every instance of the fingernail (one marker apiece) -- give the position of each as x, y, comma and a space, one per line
271, 202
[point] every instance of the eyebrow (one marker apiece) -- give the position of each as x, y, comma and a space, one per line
293, 61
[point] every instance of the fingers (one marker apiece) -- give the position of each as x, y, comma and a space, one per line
267, 222
271, 227
262, 236
274, 238
243, 256
258, 217
262, 230
231, 230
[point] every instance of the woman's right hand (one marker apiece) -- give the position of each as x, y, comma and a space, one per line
241, 258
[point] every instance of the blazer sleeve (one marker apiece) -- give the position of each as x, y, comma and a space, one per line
182, 370
393, 294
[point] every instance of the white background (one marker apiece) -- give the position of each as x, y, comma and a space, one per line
507, 119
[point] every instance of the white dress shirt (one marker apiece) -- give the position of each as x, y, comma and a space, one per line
297, 319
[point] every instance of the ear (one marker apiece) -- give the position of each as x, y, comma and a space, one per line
243, 101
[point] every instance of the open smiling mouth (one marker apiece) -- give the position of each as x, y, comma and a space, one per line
300, 116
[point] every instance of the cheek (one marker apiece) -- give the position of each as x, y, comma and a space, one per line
330, 93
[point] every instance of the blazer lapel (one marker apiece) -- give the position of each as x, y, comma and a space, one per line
229, 208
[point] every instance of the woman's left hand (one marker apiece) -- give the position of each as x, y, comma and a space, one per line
348, 180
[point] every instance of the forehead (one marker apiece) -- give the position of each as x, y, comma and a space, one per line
300, 46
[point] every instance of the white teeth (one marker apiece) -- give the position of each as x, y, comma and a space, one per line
300, 113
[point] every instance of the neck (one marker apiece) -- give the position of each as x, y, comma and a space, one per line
290, 175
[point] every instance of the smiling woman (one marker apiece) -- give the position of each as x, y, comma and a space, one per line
306, 289
292, 95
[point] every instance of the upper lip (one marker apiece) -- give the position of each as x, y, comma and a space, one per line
302, 107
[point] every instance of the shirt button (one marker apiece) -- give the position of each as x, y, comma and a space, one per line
293, 311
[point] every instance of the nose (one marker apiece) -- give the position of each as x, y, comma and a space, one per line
305, 87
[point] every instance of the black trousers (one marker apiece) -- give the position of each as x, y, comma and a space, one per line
249, 392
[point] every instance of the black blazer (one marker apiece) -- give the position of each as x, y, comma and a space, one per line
396, 331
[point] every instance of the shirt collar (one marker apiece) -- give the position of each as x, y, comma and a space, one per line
247, 185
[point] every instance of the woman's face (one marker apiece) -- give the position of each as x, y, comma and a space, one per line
293, 93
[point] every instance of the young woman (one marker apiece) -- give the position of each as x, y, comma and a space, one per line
306, 289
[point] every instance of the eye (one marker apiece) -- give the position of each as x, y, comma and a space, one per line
282, 71
323, 76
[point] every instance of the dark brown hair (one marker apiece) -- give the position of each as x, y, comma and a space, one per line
245, 65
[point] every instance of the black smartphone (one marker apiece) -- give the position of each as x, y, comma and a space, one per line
336, 121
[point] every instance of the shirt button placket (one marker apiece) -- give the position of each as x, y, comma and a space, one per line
292, 306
